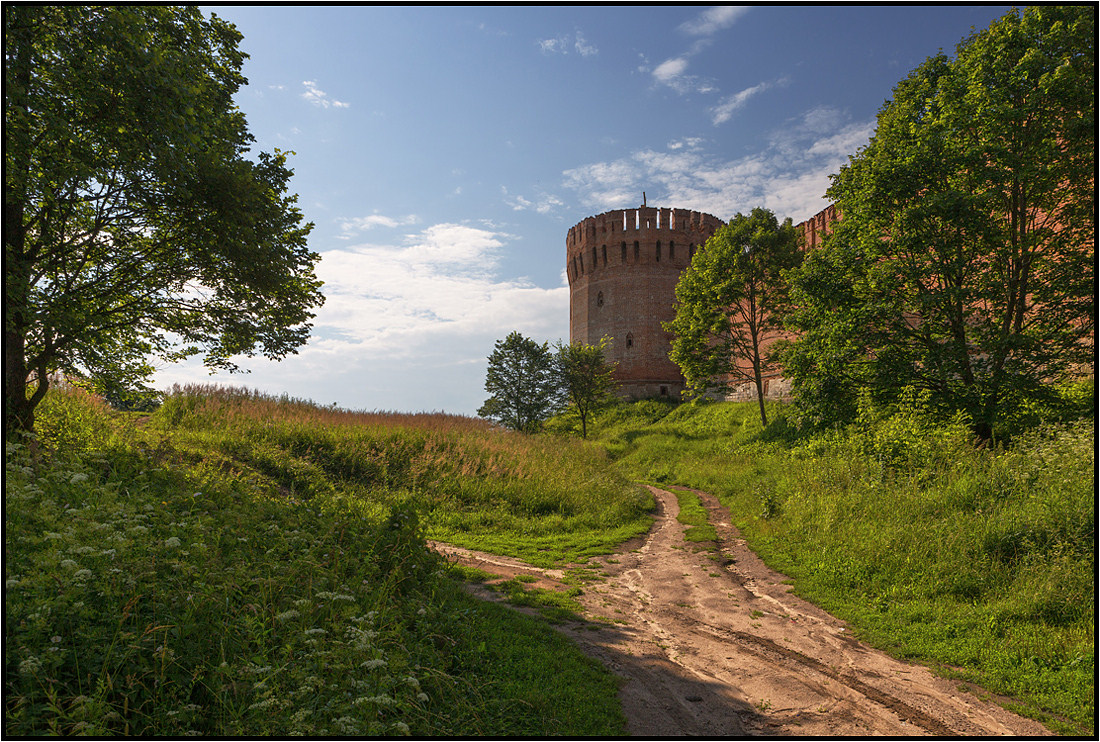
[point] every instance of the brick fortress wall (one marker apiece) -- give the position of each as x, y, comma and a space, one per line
623, 267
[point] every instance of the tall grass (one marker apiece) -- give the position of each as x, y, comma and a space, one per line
540, 498
196, 574
980, 562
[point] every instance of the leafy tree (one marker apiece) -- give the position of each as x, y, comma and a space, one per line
967, 243
586, 376
523, 382
728, 302
133, 224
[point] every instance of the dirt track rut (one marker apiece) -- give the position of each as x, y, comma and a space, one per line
715, 644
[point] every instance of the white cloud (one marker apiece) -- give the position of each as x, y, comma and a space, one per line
713, 20
725, 109
565, 44
439, 286
673, 71
320, 98
406, 325
789, 177
544, 203
670, 69
353, 226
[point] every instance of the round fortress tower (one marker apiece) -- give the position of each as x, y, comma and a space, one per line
623, 267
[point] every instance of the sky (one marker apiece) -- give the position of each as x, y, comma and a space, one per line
443, 153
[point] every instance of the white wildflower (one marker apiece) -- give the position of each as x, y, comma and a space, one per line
78, 478
287, 615
172, 542
373, 664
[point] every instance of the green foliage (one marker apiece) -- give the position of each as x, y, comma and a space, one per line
965, 261
523, 382
977, 560
728, 302
134, 225
159, 586
587, 378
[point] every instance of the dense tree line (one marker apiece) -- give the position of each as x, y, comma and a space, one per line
964, 264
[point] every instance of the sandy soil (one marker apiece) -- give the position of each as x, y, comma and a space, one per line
714, 644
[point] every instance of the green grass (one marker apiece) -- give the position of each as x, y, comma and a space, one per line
215, 571
694, 516
477, 486
980, 563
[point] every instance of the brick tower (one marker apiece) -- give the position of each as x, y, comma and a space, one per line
623, 267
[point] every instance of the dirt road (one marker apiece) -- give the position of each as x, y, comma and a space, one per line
715, 644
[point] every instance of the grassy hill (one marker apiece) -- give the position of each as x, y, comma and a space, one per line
240, 565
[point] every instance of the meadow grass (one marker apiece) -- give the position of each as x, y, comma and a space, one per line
977, 561
210, 570
544, 499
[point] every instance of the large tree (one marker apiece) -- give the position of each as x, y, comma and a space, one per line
586, 376
134, 224
523, 383
727, 304
968, 235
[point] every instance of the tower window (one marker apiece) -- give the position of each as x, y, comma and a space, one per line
599, 299
604, 250
624, 251
671, 250
637, 247
658, 251
630, 340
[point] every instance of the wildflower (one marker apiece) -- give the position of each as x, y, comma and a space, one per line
55, 639
412, 682
422, 696
382, 700
310, 632
82, 574
68, 563
401, 727
287, 615
172, 542
346, 725
78, 478
373, 664
30, 666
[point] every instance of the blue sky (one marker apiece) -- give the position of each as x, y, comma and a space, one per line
443, 152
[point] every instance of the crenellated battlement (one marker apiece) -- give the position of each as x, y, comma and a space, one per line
646, 235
